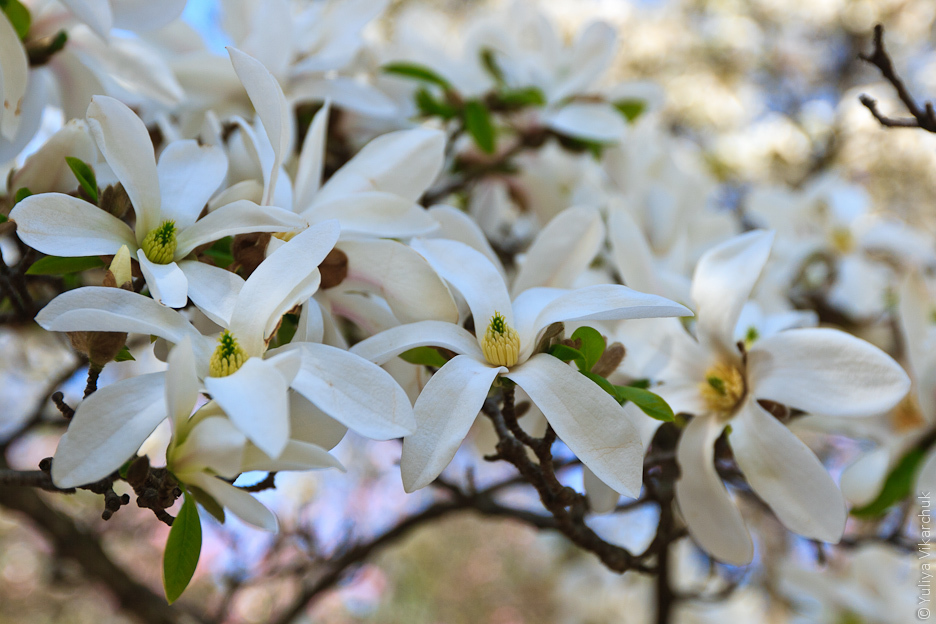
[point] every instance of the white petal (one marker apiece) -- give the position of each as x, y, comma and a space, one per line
825, 371
445, 411
108, 428
311, 160
374, 214
96, 308
311, 326
296, 456
145, 15
214, 443
181, 384
404, 163
212, 289
394, 341
861, 482
355, 392
401, 276
787, 475
308, 423
255, 399
14, 75
562, 250
46, 171
708, 509
240, 217
33, 108
472, 275
267, 97
587, 419
601, 498
346, 93
235, 500
926, 478
95, 13
456, 225
592, 121
722, 282
189, 174
287, 277
167, 283
61, 225
123, 139
631, 253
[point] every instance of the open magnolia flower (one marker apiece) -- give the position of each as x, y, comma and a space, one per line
591, 423
819, 371
250, 384
167, 199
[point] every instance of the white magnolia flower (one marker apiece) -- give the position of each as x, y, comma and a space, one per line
250, 384
167, 199
819, 371
585, 417
137, 15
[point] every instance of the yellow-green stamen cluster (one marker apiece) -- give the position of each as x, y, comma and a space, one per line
160, 244
228, 357
723, 389
501, 343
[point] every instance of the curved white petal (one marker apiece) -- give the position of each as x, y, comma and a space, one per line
587, 419
394, 341
602, 498
108, 428
562, 250
355, 392
296, 456
287, 277
14, 75
123, 139
189, 174
235, 500
145, 15
926, 478
456, 225
404, 163
722, 282
825, 371
214, 443
374, 213
445, 411
631, 253
311, 160
472, 275
592, 121
708, 509
267, 97
46, 171
861, 482
308, 423
181, 384
255, 399
787, 475
167, 283
240, 217
62, 225
401, 276
95, 13
346, 93
212, 289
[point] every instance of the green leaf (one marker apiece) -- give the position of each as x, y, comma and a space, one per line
430, 106
631, 109
124, 355
519, 98
424, 356
207, 502
568, 354
489, 62
182, 550
220, 252
21, 194
53, 265
416, 72
650, 404
18, 15
287, 329
897, 486
85, 176
4, 218
604, 383
593, 345
479, 125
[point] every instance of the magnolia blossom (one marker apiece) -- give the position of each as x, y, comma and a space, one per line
584, 416
819, 371
167, 199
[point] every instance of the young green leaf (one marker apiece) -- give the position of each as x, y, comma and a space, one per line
18, 15
519, 98
182, 550
489, 62
650, 404
604, 383
124, 355
416, 72
53, 265
631, 109
220, 252
21, 194
207, 502
85, 176
897, 486
479, 125
424, 356
568, 354
593, 345
430, 106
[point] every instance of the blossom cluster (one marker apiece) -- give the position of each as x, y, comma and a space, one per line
322, 232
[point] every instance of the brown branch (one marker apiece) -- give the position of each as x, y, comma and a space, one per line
924, 117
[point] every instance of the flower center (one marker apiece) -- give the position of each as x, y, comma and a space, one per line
907, 416
160, 244
501, 343
842, 240
228, 357
722, 389
286, 236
